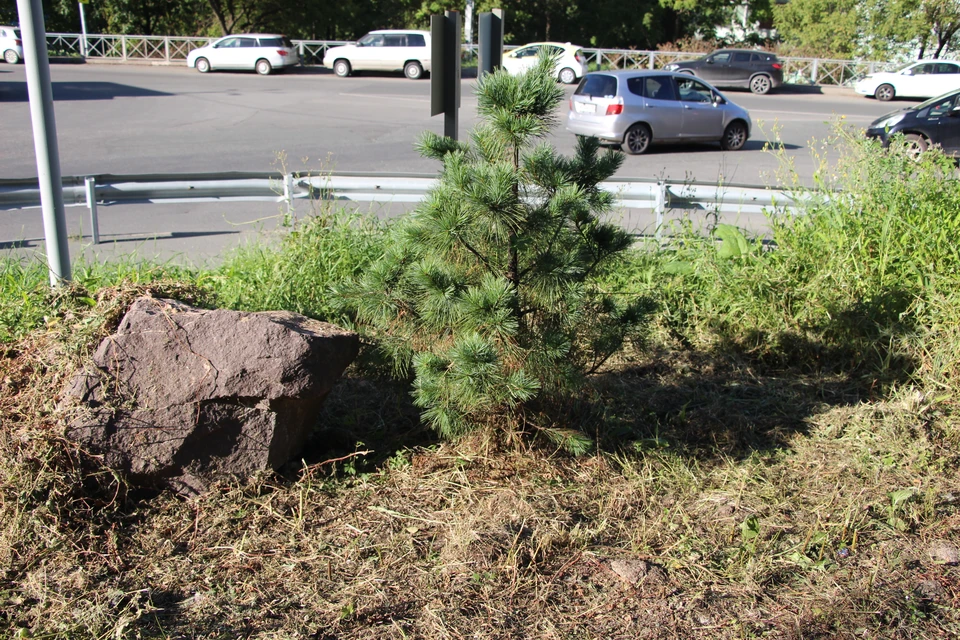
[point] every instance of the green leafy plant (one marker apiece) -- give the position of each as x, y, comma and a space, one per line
486, 295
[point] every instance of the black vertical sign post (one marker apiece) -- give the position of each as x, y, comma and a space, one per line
445, 70
490, 39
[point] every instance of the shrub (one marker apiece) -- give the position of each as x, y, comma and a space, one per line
486, 294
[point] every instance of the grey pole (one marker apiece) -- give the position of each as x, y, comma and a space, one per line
34, 38
83, 31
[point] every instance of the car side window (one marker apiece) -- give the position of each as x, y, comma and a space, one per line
248, 43
741, 57
528, 52
925, 69
415, 40
693, 90
229, 44
393, 40
658, 88
941, 107
371, 40
720, 58
946, 67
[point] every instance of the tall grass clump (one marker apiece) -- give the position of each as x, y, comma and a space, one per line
863, 277
297, 275
27, 301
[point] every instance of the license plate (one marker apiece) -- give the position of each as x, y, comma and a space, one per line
585, 107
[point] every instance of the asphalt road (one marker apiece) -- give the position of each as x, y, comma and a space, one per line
130, 119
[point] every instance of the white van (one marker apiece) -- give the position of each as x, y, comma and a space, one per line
383, 50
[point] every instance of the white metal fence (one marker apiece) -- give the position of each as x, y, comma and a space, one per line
174, 50
631, 193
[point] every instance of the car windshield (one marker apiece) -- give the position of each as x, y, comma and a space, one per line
933, 101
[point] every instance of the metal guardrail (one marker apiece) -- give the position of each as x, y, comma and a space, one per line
104, 190
174, 49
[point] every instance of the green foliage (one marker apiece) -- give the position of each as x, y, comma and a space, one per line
824, 28
317, 253
865, 280
486, 295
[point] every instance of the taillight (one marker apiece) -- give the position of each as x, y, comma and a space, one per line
614, 109
570, 104
281, 52
777, 66
18, 43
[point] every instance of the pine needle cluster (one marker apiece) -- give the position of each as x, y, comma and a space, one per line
486, 296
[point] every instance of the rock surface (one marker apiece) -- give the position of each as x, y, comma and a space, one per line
181, 396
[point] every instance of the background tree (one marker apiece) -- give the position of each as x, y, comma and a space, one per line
819, 28
926, 27
486, 294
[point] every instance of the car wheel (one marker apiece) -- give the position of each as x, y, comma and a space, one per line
342, 68
884, 93
734, 137
760, 84
637, 139
11, 56
568, 75
413, 70
915, 144
263, 67
203, 65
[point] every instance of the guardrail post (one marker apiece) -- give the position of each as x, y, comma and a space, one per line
288, 192
653, 57
659, 206
814, 70
166, 49
123, 48
91, 185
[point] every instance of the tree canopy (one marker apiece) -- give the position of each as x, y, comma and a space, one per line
875, 29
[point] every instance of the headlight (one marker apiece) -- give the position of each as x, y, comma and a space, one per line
889, 122
673, 66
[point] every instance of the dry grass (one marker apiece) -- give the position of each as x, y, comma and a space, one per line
723, 502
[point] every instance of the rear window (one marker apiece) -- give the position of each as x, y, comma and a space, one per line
597, 85
415, 40
741, 57
764, 57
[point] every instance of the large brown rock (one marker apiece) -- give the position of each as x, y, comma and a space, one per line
182, 396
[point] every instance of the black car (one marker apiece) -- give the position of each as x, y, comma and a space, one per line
936, 121
735, 68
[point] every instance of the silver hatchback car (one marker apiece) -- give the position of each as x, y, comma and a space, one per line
635, 109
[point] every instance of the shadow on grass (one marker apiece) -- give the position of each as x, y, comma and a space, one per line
749, 394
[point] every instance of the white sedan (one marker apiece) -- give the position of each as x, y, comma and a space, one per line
922, 79
571, 65
260, 52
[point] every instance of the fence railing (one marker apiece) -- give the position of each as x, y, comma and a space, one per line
104, 190
174, 50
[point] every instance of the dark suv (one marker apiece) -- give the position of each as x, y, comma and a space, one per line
737, 68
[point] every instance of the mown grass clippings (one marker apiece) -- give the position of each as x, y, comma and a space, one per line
715, 513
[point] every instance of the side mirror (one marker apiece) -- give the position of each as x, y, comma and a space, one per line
718, 99
908, 72
709, 60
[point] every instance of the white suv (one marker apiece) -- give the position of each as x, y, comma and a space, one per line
383, 50
10, 45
